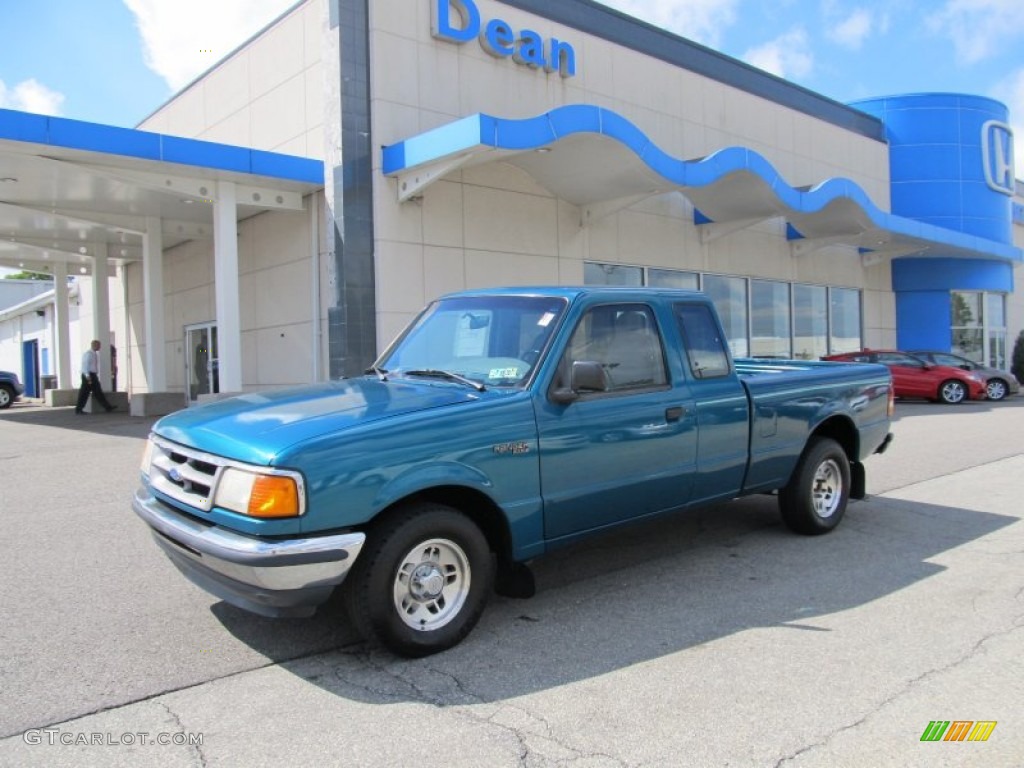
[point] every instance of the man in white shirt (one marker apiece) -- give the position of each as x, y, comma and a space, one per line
91, 380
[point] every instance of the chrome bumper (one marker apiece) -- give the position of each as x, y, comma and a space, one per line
287, 577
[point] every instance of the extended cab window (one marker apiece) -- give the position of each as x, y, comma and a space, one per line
624, 340
705, 348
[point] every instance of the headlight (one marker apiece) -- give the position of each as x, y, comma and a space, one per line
977, 377
260, 495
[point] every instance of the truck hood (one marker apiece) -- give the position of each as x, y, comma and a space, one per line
257, 427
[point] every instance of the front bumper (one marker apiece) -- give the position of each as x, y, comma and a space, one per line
271, 577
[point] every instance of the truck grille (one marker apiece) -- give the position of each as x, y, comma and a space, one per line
184, 474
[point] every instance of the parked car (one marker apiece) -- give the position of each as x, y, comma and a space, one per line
10, 388
914, 377
998, 383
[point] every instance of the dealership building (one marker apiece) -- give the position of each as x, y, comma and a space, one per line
284, 216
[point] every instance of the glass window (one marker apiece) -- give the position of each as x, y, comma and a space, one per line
995, 321
968, 331
611, 274
845, 320
704, 348
496, 340
730, 297
769, 319
672, 278
810, 322
624, 339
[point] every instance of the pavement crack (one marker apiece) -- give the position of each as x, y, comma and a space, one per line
196, 749
906, 688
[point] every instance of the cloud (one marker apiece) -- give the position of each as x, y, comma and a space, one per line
181, 39
703, 21
979, 28
787, 56
853, 30
31, 96
1010, 91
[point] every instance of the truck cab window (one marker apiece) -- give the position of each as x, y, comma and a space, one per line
624, 340
705, 348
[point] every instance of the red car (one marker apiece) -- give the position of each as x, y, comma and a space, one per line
913, 377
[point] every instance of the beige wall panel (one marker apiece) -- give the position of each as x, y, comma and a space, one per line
400, 17
444, 271
234, 129
225, 90
276, 56
438, 73
402, 222
279, 293
394, 68
277, 357
511, 222
399, 277
650, 240
486, 269
274, 238
442, 214
278, 116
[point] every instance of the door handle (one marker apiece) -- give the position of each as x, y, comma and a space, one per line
675, 413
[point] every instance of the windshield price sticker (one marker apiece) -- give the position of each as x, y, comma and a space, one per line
503, 373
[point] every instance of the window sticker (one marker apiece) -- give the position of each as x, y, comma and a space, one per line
546, 319
503, 373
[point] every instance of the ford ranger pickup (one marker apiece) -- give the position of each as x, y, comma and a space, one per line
499, 425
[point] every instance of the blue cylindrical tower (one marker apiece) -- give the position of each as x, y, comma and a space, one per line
950, 160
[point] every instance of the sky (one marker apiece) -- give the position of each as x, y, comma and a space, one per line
116, 61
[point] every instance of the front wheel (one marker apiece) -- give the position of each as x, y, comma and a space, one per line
6, 396
952, 392
996, 389
814, 500
422, 583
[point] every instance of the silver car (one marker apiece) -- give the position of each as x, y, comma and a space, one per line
998, 383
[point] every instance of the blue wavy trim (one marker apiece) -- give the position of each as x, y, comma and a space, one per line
482, 130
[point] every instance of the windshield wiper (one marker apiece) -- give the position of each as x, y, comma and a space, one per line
447, 375
381, 373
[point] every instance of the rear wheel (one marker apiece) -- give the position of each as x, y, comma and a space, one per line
422, 583
996, 389
952, 392
814, 501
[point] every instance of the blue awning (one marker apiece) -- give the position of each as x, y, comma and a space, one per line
597, 159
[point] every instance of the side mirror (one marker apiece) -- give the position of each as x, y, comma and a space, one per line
587, 376
966, 367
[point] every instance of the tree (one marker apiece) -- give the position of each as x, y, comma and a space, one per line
1017, 367
28, 276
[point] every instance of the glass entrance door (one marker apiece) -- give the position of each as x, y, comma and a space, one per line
201, 367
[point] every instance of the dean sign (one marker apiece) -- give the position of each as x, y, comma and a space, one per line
500, 39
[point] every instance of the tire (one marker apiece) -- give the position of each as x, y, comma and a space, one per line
422, 583
952, 392
7, 396
814, 500
996, 389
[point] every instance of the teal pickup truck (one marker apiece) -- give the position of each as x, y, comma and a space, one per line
501, 424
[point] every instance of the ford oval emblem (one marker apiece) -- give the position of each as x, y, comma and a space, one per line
175, 475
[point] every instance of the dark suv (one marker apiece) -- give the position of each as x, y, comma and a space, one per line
10, 388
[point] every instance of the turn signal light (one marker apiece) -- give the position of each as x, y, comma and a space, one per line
273, 496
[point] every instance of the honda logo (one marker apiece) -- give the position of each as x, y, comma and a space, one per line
997, 156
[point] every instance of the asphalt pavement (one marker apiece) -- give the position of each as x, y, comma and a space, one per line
712, 638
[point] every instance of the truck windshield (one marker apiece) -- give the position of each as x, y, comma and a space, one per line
493, 340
